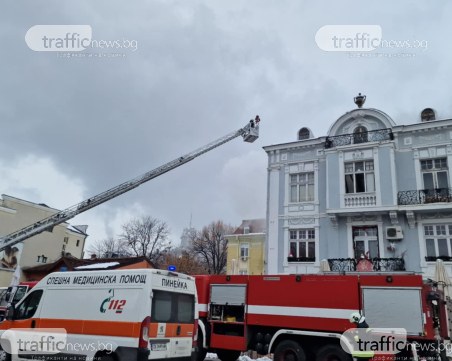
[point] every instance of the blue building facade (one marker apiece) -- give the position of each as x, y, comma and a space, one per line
370, 189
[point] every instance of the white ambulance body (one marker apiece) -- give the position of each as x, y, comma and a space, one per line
142, 314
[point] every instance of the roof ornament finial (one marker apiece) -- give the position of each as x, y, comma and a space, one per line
360, 100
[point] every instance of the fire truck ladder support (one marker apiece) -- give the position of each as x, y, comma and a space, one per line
250, 132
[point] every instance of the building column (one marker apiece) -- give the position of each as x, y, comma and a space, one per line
273, 206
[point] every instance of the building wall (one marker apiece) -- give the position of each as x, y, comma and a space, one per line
16, 214
254, 263
139, 265
340, 219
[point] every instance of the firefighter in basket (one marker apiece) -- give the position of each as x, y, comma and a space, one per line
358, 352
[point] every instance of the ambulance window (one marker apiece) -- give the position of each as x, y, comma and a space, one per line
28, 307
172, 307
185, 308
161, 306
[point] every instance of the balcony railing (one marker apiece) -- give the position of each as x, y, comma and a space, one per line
300, 259
360, 200
379, 264
357, 138
424, 196
443, 258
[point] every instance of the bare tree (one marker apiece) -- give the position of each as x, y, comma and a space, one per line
147, 236
109, 247
185, 263
211, 246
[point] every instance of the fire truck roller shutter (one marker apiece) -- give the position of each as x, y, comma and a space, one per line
228, 294
394, 308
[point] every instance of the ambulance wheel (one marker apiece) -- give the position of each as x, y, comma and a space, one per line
228, 355
289, 350
332, 353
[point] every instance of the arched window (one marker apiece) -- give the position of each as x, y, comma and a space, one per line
427, 114
304, 133
360, 134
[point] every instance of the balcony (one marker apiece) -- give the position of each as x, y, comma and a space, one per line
379, 264
358, 138
360, 200
424, 196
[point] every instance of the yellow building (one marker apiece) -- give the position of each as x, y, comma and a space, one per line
246, 248
43, 248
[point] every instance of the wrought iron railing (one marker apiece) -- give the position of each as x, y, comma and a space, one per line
357, 138
342, 264
378, 264
300, 259
424, 196
443, 258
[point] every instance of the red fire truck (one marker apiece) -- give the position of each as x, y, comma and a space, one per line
19, 293
302, 317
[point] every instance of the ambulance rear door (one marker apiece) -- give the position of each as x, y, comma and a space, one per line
173, 314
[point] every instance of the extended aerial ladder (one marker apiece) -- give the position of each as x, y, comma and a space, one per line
250, 132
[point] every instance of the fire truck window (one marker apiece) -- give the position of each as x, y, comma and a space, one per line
3, 295
20, 293
29, 306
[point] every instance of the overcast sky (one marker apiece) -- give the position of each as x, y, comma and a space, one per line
72, 127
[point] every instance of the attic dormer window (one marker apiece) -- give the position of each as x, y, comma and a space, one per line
360, 134
427, 115
246, 230
304, 133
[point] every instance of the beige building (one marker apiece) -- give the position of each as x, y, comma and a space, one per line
246, 248
43, 248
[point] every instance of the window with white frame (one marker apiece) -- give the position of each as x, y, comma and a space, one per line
365, 242
302, 187
302, 245
434, 173
438, 241
244, 250
359, 177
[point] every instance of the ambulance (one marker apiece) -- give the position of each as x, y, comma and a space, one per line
142, 314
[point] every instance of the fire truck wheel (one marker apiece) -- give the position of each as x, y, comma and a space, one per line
105, 357
228, 355
332, 353
289, 350
4, 356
